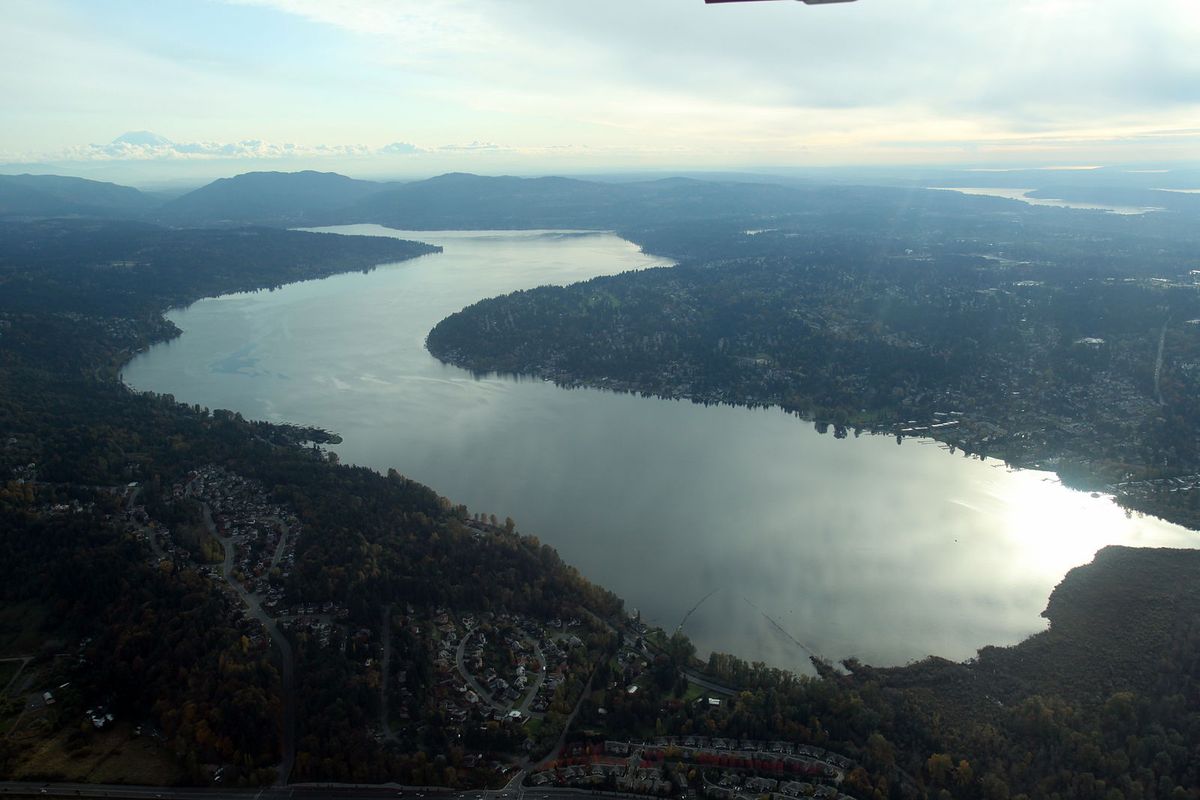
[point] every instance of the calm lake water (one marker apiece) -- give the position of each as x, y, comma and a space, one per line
1024, 196
791, 539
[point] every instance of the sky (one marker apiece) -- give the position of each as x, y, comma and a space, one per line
156, 89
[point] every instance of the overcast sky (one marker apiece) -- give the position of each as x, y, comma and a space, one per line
416, 87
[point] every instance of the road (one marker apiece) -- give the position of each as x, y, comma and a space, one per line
284, 532
12, 683
485, 696
385, 722
459, 660
512, 791
705, 683
1158, 362
287, 659
562, 737
13, 680
531, 695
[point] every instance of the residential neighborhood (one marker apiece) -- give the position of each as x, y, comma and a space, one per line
725, 769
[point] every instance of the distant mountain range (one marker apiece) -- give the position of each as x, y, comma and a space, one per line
57, 196
507, 202
449, 201
269, 198
459, 200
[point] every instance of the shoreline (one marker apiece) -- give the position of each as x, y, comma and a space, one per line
893, 431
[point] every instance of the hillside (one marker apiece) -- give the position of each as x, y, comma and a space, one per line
268, 198
471, 201
1106, 693
59, 196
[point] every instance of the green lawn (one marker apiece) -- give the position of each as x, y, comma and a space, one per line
693, 693
103, 757
7, 670
21, 628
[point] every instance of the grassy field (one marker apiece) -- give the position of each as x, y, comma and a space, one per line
7, 670
114, 756
21, 628
693, 693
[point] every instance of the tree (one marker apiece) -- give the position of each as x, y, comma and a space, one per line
880, 754
939, 766
994, 787
964, 776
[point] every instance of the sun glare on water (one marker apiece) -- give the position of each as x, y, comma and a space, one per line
1052, 529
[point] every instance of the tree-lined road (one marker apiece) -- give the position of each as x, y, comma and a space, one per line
286, 662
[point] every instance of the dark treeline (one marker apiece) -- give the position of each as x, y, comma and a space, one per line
133, 269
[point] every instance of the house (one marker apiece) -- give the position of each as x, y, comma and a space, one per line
100, 717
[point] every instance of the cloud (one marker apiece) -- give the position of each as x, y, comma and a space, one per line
400, 148
473, 146
783, 77
664, 83
1026, 56
414, 32
145, 146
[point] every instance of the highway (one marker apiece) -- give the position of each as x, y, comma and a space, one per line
513, 791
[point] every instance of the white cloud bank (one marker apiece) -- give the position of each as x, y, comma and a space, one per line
147, 146
164, 150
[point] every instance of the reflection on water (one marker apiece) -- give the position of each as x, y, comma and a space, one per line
780, 538
1024, 196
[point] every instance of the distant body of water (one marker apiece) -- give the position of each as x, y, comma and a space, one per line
1024, 196
852, 547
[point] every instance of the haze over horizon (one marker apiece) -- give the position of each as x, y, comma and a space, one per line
196, 89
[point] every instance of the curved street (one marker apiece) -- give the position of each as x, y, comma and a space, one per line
485, 696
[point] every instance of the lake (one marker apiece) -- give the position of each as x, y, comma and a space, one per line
761, 536
1024, 195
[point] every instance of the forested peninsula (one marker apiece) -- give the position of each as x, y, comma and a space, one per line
1047, 344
